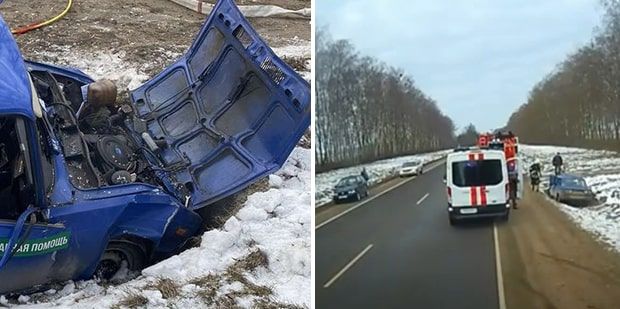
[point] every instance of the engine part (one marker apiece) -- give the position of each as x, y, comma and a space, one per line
122, 177
99, 96
115, 152
102, 93
149, 141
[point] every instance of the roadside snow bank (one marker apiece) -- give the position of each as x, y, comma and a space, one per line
260, 257
378, 171
601, 170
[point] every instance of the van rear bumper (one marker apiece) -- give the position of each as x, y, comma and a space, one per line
487, 211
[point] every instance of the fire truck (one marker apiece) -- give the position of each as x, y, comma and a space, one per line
509, 144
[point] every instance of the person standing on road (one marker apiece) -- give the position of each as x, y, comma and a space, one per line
535, 176
557, 163
365, 174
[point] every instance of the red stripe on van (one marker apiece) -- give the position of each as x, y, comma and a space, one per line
483, 196
473, 196
472, 156
481, 156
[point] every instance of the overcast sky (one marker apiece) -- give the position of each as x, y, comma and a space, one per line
477, 58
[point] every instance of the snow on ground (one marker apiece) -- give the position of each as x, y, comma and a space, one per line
102, 65
262, 255
129, 76
378, 171
601, 170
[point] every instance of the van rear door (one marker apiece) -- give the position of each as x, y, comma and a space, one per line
478, 181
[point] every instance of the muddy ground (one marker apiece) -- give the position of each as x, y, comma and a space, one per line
148, 33
549, 262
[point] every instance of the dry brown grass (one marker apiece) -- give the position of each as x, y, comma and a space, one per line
132, 300
297, 63
268, 303
255, 259
211, 284
167, 287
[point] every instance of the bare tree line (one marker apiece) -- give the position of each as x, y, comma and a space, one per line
579, 103
366, 110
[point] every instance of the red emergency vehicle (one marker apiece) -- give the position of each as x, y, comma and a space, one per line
509, 144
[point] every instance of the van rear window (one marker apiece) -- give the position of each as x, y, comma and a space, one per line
476, 173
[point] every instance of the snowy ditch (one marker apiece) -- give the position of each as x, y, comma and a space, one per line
261, 256
601, 171
378, 172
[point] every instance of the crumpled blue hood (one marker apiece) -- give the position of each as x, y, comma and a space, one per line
14, 85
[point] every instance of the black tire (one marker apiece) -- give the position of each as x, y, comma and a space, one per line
366, 193
358, 196
118, 251
557, 197
453, 220
505, 217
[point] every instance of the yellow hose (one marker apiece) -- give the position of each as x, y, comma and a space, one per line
38, 25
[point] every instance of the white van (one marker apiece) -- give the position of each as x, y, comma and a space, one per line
477, 184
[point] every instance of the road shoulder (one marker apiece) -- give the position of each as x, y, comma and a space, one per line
549, 262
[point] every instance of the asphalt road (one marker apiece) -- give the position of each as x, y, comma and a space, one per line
399, 251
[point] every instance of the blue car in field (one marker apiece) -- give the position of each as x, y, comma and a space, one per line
571, 189
87, 183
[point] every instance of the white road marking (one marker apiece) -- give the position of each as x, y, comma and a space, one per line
346, 267
498, 271
330, 220
422, 199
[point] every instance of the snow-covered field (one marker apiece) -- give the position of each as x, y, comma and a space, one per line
378, 171
261, 256
601, 170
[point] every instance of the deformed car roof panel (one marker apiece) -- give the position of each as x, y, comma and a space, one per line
14, 85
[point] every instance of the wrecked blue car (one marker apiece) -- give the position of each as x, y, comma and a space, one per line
89, 184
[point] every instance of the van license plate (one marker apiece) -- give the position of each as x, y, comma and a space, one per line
468, 211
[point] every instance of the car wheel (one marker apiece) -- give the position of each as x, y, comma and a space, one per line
453, 220
557, 197
118, 252
506, 216
366, 193
358, 196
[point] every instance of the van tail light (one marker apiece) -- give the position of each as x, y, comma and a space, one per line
508, 191
449, 190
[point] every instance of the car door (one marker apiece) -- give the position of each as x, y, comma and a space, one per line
230, 111
28, 248
33, 261
480, 180
553, 183
364, 185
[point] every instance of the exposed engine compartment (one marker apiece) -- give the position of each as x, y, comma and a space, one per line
97, 145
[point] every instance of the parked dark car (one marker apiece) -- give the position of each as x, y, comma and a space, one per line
81, 198
571, 189
351, 188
